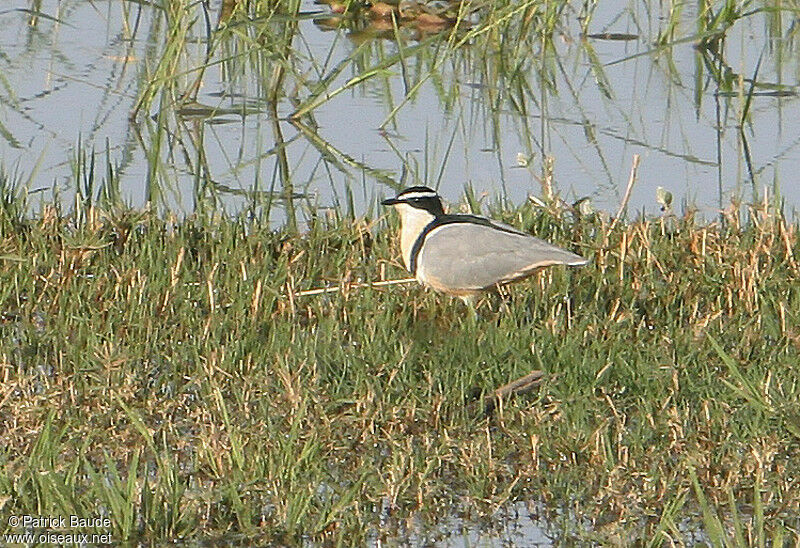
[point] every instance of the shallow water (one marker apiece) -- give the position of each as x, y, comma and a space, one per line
524, 524
72, 70
518, 524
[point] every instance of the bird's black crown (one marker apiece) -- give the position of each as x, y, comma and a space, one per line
419, 197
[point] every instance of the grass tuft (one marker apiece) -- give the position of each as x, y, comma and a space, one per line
177, 377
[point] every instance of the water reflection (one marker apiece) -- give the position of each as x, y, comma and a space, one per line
191, 104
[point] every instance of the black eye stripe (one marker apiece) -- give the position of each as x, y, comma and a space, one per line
430, 203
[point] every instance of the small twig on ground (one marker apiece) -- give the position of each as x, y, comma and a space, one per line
522, 385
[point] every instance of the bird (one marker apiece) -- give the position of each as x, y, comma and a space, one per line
467, 255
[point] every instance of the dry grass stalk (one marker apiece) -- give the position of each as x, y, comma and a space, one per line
345, 287
626, 198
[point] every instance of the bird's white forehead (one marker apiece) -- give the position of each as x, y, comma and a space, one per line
418, 194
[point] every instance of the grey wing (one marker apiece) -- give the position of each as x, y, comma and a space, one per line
464, 256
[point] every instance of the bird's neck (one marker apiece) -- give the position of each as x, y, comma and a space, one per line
413, 222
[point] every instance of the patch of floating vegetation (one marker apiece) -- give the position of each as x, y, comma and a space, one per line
412, 19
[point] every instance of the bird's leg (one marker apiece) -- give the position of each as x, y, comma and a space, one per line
505, 299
